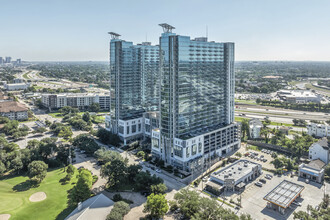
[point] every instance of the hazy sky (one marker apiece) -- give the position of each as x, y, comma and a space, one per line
76, 30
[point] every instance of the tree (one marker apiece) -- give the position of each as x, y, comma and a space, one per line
70, 170
188, 202
245, 128
156, 205
119, 210
114, 171
327, 170
94, 107
140, 154
65, 132
2, 168
158, 189
16, 164
37, 171
81, 191
86, 117
40, 130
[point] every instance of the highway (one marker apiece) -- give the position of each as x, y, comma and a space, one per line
277, 114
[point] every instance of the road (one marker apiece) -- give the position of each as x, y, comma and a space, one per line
277, 114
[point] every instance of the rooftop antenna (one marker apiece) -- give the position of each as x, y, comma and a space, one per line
114, 35
167, 28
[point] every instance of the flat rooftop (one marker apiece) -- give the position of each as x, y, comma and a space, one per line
236, 170
284, 194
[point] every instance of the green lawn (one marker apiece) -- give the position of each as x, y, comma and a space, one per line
25, 75
17, 204
56, 115
251, 102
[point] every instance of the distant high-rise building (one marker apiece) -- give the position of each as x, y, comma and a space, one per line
1, 60
8, 60
196, 101
134, 79
19, 61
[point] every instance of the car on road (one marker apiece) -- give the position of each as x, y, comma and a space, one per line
205, 179
158, 171
262, 181
82, 151
258, 184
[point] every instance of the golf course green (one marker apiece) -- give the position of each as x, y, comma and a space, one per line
15, 193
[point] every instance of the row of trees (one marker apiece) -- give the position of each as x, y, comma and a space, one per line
190, 205
11, 128
312, 107
14, 160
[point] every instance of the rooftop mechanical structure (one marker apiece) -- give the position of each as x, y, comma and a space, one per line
114, 35
167, 28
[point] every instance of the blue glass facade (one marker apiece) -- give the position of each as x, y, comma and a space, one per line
134, 79
197, 89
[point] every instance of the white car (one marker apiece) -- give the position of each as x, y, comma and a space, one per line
158, 171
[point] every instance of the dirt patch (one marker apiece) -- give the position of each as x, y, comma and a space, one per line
37, 197
4, 216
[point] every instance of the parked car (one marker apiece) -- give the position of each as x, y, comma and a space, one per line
296, 203
267, 177
262, 156
262, 181
258, 184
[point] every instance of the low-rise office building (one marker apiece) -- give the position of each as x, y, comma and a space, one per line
283, 195
320, 150
241, 171
13, 110
16, 86
299, 96
77, 100
313, 170
318, 130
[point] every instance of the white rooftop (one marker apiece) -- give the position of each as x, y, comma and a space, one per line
97, 207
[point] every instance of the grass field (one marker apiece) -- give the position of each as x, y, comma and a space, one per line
56, 115
16, 202
251, 102
26, 75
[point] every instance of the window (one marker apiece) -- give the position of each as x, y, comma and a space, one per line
133, 128
155, 143
139, 127
120, 129
177, 151
127, 130
187, 152
200, 147
194, 149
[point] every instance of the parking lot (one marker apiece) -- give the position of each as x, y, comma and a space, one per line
264, 158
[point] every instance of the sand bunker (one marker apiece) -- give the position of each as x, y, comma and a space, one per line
37, 197
4, 216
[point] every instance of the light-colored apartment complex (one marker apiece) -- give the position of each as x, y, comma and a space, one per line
318, 130
77, 100
13, 110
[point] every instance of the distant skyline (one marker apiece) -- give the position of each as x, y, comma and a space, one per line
76, 30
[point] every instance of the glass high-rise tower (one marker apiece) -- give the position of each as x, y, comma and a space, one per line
134, 81
196, 101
